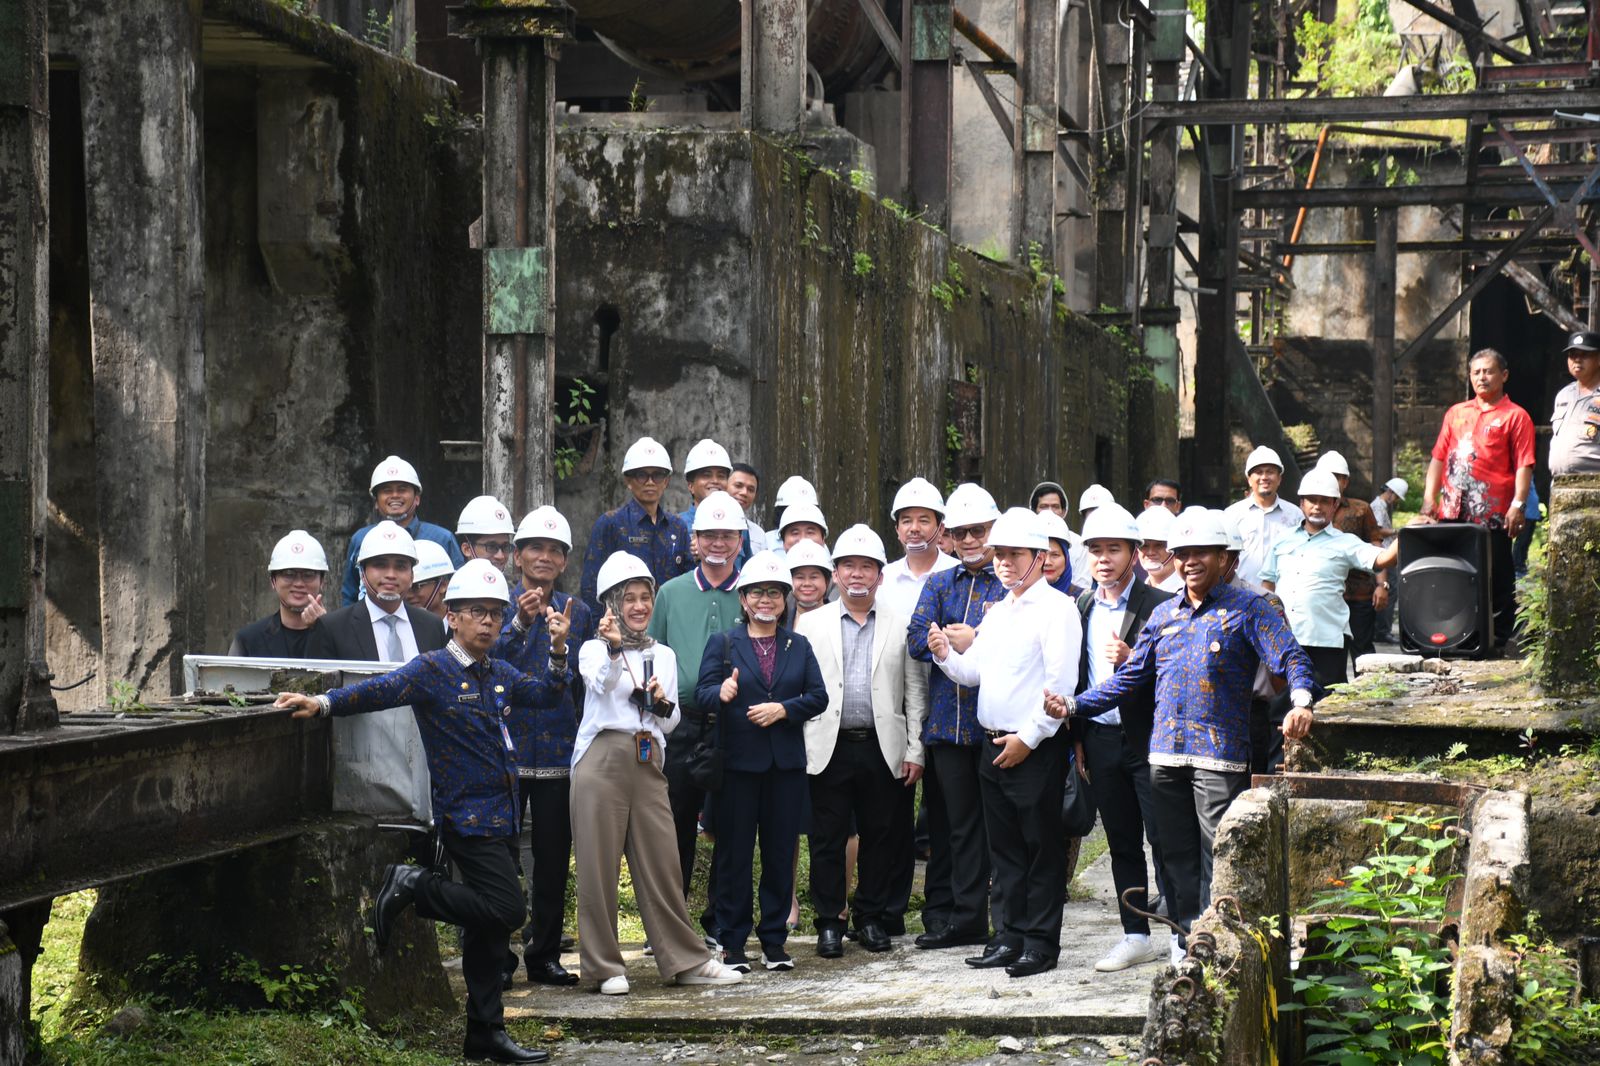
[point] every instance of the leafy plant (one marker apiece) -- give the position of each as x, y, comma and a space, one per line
862, 264
235, 697
125, 698
1377, 991
1355, 54
861, 180
1552, 1025
638, 102
942, 292
580, 404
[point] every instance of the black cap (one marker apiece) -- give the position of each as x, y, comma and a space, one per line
1583, 341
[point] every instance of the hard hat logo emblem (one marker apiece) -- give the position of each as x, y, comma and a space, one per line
719, 514
499, 513
549, 523
488, 578
298, 549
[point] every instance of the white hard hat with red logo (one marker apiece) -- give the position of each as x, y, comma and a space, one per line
719, 511
620, 569
394, 468
646, 453
860, 540
477, 580
918, 492
808, 553
387, 538
484, 515
298, 550
544, 523
707, 455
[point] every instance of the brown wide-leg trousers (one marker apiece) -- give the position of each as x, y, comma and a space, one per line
620, 808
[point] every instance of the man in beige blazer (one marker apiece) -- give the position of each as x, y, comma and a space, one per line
864, 753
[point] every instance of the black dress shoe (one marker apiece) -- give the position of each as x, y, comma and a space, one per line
994, 956
399, 887
1030, 963
872, 937
550, 973
568, 943
952, 938
830, 943
495, 1046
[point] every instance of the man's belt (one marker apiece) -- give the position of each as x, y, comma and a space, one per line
858, 735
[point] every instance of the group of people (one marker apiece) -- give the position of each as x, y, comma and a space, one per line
758, 686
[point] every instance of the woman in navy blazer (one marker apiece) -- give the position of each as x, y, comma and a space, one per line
766, 683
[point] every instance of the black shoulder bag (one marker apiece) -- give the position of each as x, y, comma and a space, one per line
705, 758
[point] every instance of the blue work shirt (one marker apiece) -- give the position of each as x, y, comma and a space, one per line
463, 708
1203, 660
662, 545
1308, 571
350, 591
544, 733
951, 596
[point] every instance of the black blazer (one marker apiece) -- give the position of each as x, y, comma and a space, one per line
347, 634
796, 683
1138, 711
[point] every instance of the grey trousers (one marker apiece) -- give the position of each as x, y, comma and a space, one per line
620, 808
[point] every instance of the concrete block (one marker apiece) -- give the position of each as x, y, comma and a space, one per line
1572, 576
1494, 901
1380, 663
1485, 1002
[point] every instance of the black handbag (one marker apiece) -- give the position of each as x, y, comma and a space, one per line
1077, 808
705, 757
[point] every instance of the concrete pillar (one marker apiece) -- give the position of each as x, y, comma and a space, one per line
926, 107
1383, 291
144, 197
1572, 576
772, 76
25, 701
1034, 150
1113, 49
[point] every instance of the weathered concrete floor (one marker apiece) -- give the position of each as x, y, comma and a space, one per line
904, 991
839, 1051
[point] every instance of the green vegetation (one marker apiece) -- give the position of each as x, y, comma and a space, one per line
1552, 1023
1357, 54
125, 698
862, 265
578, 413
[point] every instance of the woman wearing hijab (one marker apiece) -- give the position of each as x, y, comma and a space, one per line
1058, 557
619, 790
767, 683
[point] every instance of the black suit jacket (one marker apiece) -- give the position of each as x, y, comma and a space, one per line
347, 634
796, 683
1138, 711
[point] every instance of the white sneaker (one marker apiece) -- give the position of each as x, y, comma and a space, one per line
614, 986
1176, 950
710, 972
1132, 950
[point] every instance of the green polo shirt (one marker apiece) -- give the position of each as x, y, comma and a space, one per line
689, 609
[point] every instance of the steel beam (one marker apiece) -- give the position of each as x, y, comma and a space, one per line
1384, 256
1485, 195
1471, 31
1319, 110
1033, 149
926, 107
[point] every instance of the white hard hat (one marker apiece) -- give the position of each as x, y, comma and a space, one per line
394, 468
387, 538
764, 568
1018, 528
1319, 482
477, 580
706, 455
969, 505
795, 489
808, 553
1094, 496
1334, 463
860, 540
1198, 528
484, 515
646, 453
1113, 522
620, 569
545, 523
298, 550
918, 492
1055, 527
1397, 485
1155, 523
432, 561
719, 511
802, 512
1230, 526
1261, 455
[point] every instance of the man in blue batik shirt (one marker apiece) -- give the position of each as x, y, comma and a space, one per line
544, 735
463, 700
639, 527
1202, 649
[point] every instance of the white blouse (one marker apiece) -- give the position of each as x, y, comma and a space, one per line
608, 684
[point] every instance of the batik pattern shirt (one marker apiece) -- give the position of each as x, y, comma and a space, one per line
544, 733
1482, 448
662, 544
463, 708
1204, 661
951, 596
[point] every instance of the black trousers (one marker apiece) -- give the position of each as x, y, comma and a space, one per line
486, 904
1119, 783
957, 890
1188, 804
857, 783
1022, 815
1363, 626
1502, 585
685, 798
771, 805
1328, 664
547, 808
1266, 739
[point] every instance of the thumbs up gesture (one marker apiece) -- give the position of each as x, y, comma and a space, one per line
730, 687
938, 643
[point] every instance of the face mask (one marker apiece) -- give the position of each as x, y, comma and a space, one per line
1023, 580
974, 560
716, 560
764, 619
1316, 523
918, 545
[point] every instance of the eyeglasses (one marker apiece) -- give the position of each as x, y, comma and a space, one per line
718, 536
1165, 501
649, 476
766, 592
479, 613
493, 547
970, 533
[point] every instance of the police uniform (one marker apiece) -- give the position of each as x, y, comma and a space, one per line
1575, 432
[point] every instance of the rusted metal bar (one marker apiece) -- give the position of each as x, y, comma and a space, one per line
1234, 111
1311, 181
1481, 194
1472, 31
984, 43
1523, 72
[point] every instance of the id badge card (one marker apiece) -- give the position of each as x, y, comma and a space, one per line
644, 743
506, 736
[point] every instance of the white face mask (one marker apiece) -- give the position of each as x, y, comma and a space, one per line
764, 619
974, 560
856, 592
715, 560
918, 546
1013, 586
1316, 523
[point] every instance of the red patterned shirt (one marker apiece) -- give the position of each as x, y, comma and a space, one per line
1482, 448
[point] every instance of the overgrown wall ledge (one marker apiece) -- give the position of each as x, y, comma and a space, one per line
1572, 578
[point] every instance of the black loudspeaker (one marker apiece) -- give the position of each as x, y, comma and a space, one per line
1445, 578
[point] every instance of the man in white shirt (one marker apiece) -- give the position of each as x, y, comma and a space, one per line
383, 627
1263, 517
1029, 642
918, 514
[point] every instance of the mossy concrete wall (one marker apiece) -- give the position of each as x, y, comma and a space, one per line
1572, 584
718, 284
